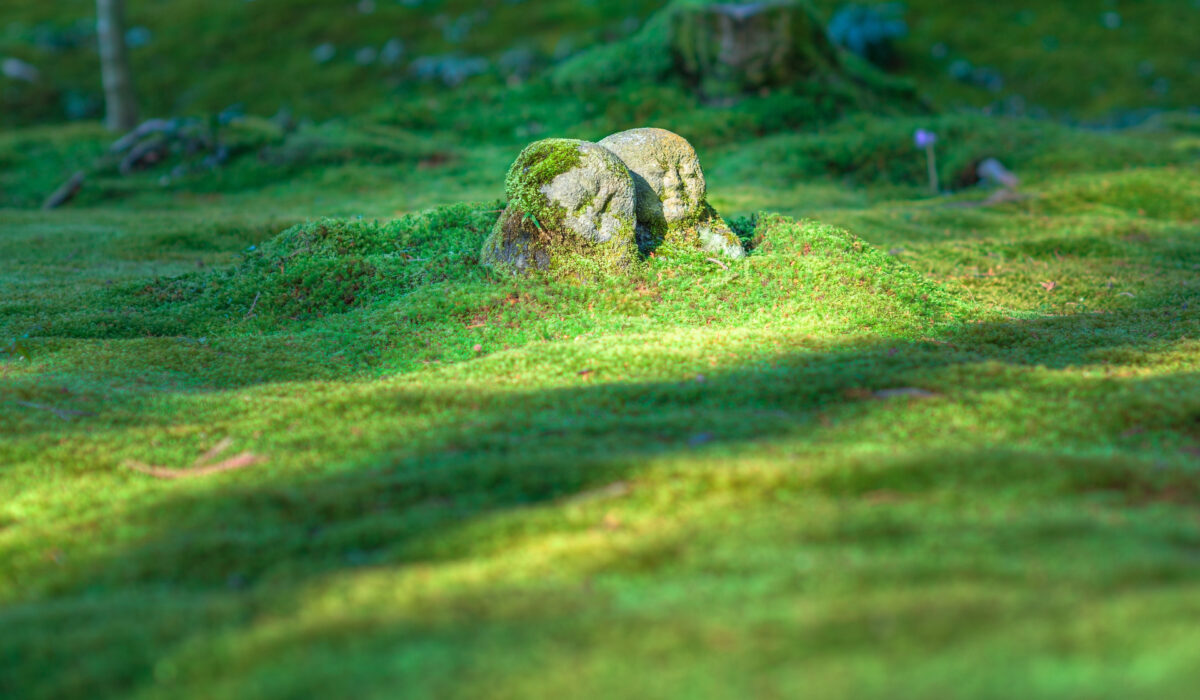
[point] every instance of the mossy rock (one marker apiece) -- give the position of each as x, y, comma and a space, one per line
714, 235
672, 206
571, 209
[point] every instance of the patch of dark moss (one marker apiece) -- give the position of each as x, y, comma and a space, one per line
744, 227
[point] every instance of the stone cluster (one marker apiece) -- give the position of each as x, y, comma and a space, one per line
575, 204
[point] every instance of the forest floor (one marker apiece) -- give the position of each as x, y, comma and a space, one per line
271, 431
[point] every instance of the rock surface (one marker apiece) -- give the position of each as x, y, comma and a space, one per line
671, 192
571, 206
666, 171
715, 236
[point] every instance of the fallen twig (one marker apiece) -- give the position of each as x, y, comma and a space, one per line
240, 461
201, 466
253, 304
718, 262
66, 192
63, 413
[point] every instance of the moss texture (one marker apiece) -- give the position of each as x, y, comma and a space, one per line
897, 440
537, 165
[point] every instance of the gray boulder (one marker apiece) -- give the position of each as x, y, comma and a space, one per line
571, 209
672, 202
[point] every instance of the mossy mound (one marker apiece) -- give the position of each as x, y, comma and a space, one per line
330, 266
571, 209
835, 272
254, 153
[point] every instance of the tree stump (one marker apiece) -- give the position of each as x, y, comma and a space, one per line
729, 49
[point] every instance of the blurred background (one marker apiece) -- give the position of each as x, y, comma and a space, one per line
1097, 60
282, 86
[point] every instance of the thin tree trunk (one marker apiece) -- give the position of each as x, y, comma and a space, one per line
120, 102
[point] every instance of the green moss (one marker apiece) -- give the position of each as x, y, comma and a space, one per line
879, 152
801, 48
317, 269
240, 68
1056, 67
537, 166
906, 438
877, 415
258, 153
1046, 62
35, 162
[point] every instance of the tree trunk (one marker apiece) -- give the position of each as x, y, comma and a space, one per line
120, 103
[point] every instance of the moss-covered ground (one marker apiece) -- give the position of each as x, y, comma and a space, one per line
911, 446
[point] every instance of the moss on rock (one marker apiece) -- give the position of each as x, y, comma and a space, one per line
571, 209
536, 167
672, 206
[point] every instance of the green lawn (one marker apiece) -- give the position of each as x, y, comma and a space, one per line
880, 461
911, 446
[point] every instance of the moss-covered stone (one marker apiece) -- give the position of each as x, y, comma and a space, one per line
672, 205
571, 208
666, 172
716, 236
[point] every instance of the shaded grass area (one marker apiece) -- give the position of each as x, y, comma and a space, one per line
1083, 58
880, 463
261, 54
1046, 56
